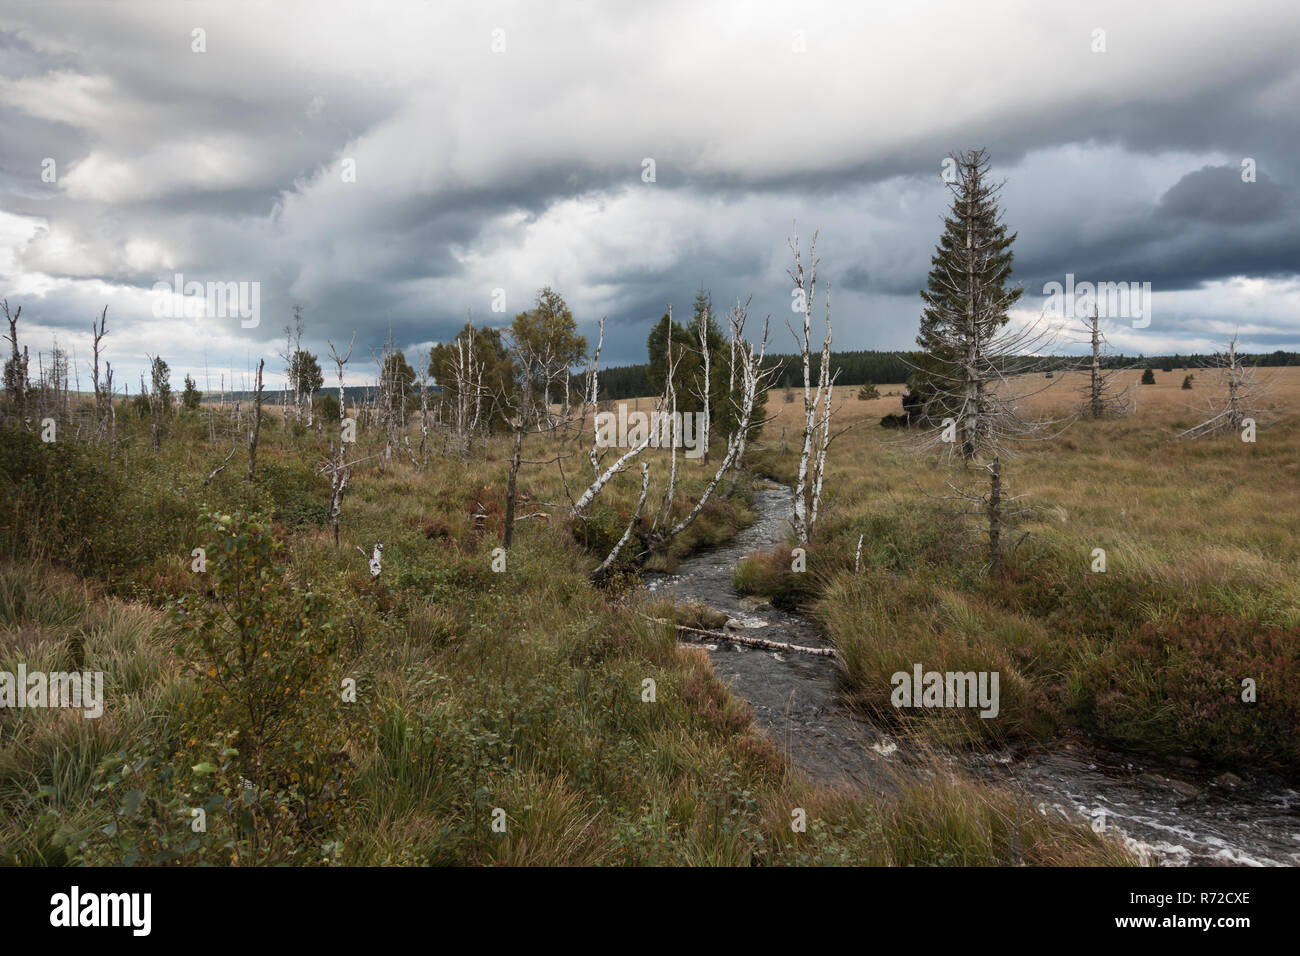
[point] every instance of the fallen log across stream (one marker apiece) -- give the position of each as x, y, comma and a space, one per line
750, 641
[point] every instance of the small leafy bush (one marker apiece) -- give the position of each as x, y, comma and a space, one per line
263, 747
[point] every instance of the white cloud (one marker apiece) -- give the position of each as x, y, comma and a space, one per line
477, 170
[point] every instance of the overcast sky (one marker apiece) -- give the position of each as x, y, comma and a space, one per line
503, 147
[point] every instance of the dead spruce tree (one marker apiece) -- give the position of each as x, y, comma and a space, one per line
303, 376
816, 403
1239, 408
52, 384
1102, 398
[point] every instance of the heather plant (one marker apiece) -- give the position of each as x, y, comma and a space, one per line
1214, 685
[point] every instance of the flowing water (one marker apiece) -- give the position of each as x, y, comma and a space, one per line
1168, 813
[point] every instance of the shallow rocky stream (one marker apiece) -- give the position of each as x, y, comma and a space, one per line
1167, 813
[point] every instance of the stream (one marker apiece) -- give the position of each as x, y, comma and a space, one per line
1170, 813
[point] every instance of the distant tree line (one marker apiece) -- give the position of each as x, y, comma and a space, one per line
853, 368
882, 368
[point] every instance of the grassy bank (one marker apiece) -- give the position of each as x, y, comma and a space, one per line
478, 698
1200, 590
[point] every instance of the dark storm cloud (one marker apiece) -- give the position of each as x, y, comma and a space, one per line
477, 171
1209, 225
1219, 195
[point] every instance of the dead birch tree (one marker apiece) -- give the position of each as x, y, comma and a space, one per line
424, 415
153, 396
97, 336
295, 365
653, 433
703, 330
755, 381
604, 477
737, 315
467, 374
338, 465
518, 424
816, 432
593, 399
112, 411
255, 424
631, 525
387, 398
664, 513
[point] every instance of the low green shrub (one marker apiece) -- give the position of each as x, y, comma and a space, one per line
263, 750
1178, 688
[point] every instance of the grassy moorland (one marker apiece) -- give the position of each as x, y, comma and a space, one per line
282, 706
1201, 588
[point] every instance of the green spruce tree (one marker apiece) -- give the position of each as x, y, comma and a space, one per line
191, 397
967, 296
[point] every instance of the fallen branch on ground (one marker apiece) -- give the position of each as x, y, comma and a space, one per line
221, 467
750, 641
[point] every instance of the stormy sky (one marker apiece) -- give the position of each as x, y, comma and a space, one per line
392, 165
